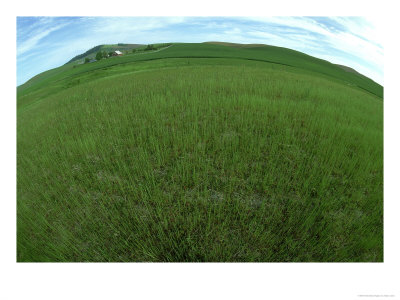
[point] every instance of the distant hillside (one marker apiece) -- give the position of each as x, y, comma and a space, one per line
348, 69
236, 45
220, 50
91, 53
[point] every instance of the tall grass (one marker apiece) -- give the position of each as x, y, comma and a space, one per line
202, 163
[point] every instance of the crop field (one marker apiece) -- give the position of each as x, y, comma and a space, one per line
220, 155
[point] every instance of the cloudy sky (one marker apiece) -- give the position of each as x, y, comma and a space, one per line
44, 43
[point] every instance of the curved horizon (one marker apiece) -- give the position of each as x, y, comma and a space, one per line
45, 43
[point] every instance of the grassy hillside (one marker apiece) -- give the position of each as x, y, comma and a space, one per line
277, 55
200, 152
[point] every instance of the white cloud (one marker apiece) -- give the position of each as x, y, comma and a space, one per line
370, 28
375, 75
361, 38
233, 31
31, 42
119, 25
294, 22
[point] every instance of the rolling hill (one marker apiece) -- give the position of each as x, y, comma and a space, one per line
200, 152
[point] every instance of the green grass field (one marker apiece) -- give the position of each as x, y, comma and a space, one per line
200, 152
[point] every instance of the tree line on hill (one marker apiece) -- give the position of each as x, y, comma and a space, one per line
99, 55
151, 47
103, 54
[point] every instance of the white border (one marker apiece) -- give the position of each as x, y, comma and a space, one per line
197, 281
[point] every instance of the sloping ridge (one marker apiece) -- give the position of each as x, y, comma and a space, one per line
348, 69
90, 51
256, 52
236, 45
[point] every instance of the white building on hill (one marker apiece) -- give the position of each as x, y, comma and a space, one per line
117, 53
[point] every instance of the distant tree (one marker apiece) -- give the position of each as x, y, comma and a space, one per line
149, 47
87, 60
99, 55
110, 53
105, 55
133, 50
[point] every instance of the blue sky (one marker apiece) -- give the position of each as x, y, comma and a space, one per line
48, 42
